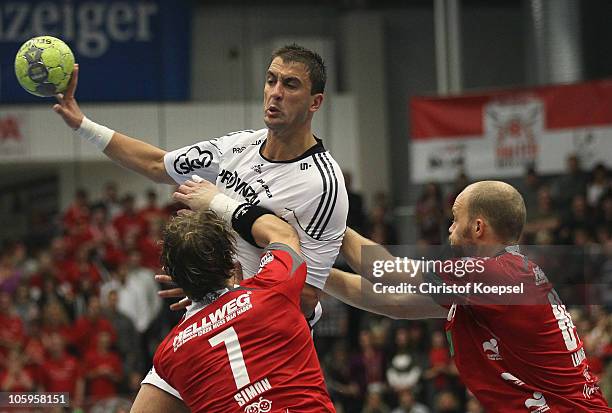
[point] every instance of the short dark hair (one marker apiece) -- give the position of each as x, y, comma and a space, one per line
501, 205
312, 60
198, 252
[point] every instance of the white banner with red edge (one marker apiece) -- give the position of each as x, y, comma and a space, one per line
498, 134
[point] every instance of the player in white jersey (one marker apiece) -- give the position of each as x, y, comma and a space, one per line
284, 167
307, 191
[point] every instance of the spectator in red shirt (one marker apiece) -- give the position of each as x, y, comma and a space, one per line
78, 210
14, 377
12, 333
152, 211
87, 328
129, 224
103, 368
61, 372
150, 245
55, 320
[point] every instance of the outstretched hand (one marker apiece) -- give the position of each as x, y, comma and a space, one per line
67, 106
196, 195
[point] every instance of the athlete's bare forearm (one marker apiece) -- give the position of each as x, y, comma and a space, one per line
138, 156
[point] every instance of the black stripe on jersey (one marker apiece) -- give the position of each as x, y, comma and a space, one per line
324, 178
330, 199
333, 204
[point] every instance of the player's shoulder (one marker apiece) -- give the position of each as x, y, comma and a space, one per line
322, 173
238, 141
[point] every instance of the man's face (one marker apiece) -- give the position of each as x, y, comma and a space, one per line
287, 99
459, 231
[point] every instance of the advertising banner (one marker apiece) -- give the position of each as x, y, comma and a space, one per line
499, 134
127, 50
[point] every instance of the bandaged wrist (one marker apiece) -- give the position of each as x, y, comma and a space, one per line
98, 135
224, 206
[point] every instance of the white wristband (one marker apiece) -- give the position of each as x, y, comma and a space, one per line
98, 135
224, 206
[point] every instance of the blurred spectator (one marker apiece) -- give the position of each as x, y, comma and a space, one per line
62, 372
447, 402
78, 211
356, 218
599, 185
150, 244
110, 199
10, 272
529, 188
440, 365
25, 307
429, 214
151, 211
571, 183
126, 334
367, 365
407, 403
55, 321
374, 403
403, 371
128, 223
12, 333
14, 376
543, 222
103, 369
138, 300
87, 328
379, 229
579, 217
342, 387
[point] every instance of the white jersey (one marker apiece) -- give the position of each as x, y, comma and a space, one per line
308, 192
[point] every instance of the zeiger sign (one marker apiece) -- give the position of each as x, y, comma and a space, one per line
128, 50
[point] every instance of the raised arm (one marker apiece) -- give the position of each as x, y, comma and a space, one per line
139, 156
361, 293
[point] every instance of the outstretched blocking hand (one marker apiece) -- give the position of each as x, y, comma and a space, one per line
196, 195
67, 106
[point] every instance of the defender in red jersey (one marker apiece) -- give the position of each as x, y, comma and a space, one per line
514, 358
244, 348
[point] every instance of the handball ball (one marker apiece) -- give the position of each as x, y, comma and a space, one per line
44, 65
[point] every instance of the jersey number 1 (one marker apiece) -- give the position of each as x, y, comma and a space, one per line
234, 353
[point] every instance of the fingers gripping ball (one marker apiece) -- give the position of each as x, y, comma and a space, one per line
43, 66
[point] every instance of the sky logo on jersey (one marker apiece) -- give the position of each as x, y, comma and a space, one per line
250, 392
214, 320
537, 404
491, 349
238, 185
194, 158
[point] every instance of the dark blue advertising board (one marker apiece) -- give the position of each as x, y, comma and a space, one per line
127, 50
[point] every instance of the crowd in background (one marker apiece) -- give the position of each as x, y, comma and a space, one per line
80, 313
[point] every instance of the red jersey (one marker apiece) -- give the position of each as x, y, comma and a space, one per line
250, 350
521, 358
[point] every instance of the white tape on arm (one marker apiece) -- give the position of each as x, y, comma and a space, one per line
98, 135
224, 206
